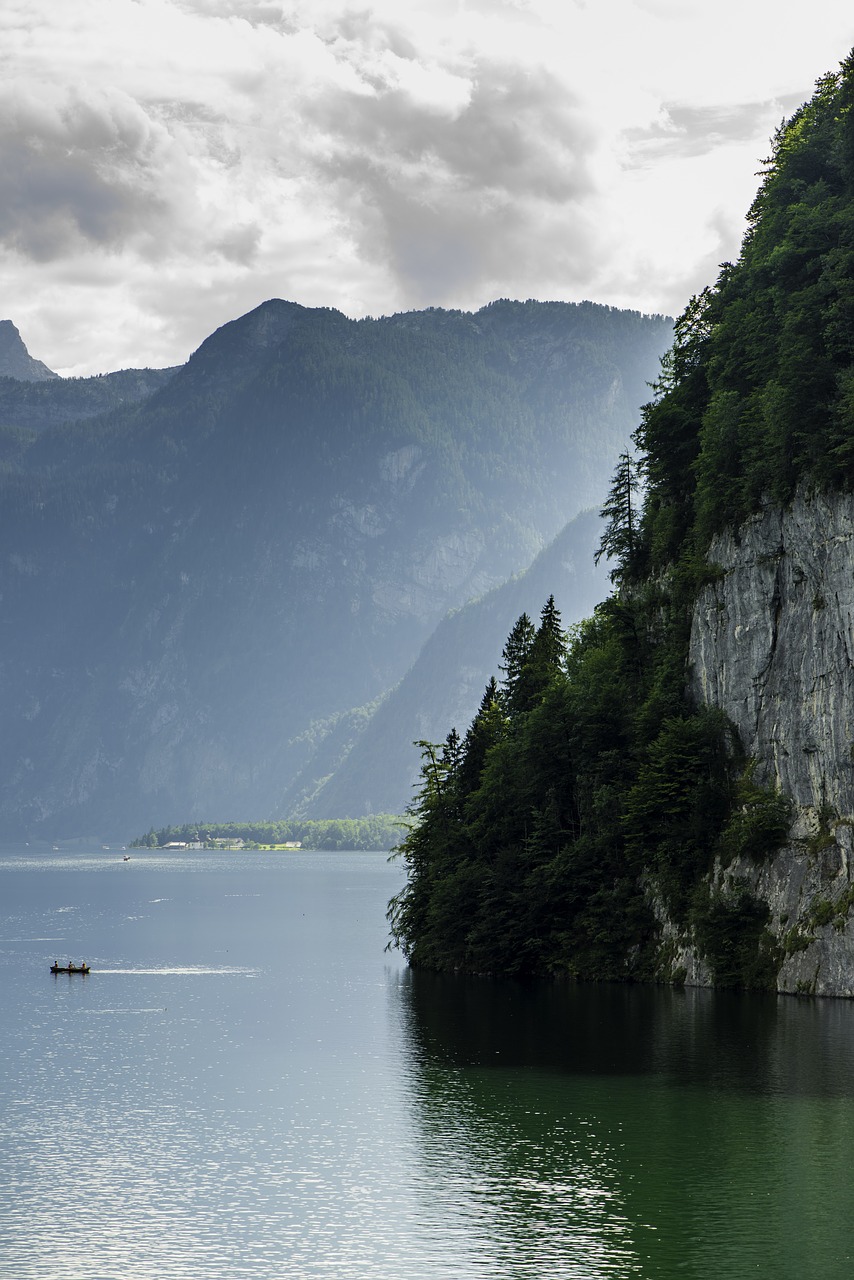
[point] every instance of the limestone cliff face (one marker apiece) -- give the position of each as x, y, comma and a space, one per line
772, 645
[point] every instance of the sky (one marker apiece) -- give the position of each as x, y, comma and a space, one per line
167, 165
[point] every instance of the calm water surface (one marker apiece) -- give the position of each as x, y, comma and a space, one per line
247, 1086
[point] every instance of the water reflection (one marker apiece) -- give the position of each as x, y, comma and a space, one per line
247, 1087
616, 1131
756, 1043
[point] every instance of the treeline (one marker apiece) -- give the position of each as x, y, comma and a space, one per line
377, 832
585, 789
38, 405
756, 396
588, 800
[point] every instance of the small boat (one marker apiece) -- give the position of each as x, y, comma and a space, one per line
56, 967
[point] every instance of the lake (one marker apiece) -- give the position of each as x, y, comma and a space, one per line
248, 1085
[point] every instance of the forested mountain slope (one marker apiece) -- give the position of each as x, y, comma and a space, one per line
445, 683
31, 406
200, 587
671, 795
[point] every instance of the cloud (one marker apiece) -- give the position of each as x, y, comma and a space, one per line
165, 164
446, 194
81, 169
682, 130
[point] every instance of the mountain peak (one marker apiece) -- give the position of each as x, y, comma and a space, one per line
15, 359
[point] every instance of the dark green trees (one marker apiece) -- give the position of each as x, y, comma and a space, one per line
518, 860
598, 803
621, 511
584, 789
531, 658
514, 656
756, 396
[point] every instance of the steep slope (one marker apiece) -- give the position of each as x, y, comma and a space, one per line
772, 645
446, 682
192, 584
675, 801
15, 359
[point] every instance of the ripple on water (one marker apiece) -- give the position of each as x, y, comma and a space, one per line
333, 1118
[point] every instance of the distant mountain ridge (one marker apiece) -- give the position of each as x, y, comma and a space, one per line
36, 405
445, 684
34, 398
199, 586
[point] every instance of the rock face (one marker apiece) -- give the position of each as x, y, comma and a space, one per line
15, 359
772, 645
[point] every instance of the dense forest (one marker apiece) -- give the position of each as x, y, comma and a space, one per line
28, 407
379, 831
588, 800
210, 590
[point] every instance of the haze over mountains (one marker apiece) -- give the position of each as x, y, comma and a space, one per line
215, 579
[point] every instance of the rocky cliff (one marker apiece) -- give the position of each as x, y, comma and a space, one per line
679, 806
15, 359
772, 645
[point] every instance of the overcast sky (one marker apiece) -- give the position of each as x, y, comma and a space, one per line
166, 165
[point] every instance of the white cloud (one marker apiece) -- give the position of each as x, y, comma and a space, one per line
167, 164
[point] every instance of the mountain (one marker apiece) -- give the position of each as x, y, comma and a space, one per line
445, 683
671, 797
15, 359
32, 405
199, 588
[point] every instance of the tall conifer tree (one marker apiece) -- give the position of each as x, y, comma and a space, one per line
514, 656
621, 512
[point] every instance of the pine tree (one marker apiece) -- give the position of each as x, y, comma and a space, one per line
621, 511
515, 654
425, 849
544, 659
486, 729
549, 647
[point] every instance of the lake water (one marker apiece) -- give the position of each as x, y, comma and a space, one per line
247, 1085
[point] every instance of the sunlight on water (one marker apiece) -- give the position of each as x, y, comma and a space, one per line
245, 1085
184, 971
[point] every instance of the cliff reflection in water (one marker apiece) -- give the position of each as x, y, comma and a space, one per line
586, 1130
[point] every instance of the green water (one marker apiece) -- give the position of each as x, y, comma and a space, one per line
608, 1131
247, 1087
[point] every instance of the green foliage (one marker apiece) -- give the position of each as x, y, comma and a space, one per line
581, 785
530, 843
514, 656
822, 912
601, 783
674, 811
732, 934
757, 395
621, 513
759, 823
34, 406
379, 831
823, 837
